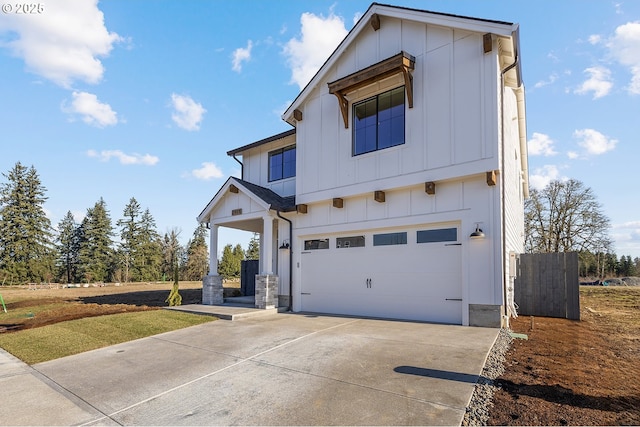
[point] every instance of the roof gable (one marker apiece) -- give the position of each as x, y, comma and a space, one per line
377, 10
264, 197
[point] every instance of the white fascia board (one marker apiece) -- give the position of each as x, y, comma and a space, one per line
456, 22
221, 194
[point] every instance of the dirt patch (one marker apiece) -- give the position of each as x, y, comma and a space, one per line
575, 372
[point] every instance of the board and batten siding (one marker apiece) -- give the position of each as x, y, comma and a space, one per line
451, 131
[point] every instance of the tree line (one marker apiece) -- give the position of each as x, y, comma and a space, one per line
32, 251
565, 216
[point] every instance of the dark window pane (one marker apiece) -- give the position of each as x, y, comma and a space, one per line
439, 235
378, 122
384, 134
289, 163
390, 239
275, 166
350, 242
310, 245
282, 163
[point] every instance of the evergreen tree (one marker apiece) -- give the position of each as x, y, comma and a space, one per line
226, 267
129, 238
238, 256
172, 253
95, 251
68, 245
197, 264
253, 251
149, 261
26, 253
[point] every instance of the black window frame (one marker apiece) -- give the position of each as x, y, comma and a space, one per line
280, 153
358, 148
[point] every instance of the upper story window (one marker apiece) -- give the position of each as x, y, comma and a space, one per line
282, 163
378, 122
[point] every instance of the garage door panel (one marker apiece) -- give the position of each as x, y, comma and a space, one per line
405, 281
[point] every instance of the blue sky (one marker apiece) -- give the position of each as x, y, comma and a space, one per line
143, 99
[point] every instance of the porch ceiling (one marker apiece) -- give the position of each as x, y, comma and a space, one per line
253, 225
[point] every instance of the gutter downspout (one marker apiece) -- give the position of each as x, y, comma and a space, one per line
505, 281
241, 166
290, 308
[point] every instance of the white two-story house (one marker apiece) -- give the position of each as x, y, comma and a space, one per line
398, 192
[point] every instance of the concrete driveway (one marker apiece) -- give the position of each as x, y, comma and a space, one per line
287, 369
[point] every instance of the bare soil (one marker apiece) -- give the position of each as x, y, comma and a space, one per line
567, 372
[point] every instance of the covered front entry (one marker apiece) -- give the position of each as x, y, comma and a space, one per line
245, 206
412, 274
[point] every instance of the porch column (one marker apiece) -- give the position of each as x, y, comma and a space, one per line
266, 245
212, 290
266, 281
213, 250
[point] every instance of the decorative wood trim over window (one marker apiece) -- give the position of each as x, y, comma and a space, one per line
401, 63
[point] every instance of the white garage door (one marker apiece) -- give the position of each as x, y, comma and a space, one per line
412, 274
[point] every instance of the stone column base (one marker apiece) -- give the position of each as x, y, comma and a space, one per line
485, 315
266, 291
212, 292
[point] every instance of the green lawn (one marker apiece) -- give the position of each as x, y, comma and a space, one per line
77, 336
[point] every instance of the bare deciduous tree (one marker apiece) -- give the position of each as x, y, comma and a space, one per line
563, 217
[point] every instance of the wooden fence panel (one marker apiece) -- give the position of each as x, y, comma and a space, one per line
547, 285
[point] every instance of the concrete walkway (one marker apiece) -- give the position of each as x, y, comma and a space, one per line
285, 369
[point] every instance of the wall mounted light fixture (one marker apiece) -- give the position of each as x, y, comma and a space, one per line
285, 244
478, 233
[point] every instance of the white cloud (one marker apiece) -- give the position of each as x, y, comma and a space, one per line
240, 55
625, 48
188, 113
593, 142
599, 82
552, 78
541, 145
64, 43
125, 159
319, 37
572, 155
207, 172
544, 175
93, 112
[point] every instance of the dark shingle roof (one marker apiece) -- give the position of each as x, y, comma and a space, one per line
277, 202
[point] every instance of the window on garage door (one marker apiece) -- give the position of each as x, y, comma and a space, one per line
437, 235
316, 244
390, 239
350, 242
